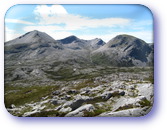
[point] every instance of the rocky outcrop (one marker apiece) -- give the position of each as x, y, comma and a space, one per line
133, 112
81, 110
100, 100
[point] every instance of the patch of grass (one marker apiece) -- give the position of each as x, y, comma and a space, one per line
145, 103
26, 94
128, 106
87, 83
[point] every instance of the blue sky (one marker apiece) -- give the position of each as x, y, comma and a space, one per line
84, 21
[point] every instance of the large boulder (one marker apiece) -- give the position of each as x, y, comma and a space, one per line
146, 90
77, 102
81, 111
108, 95
128, 103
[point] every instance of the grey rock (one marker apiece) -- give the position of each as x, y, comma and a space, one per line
146, 90
134, 112
65, 110
127, 103
57, 92
79, 100
77, 104
106, 96
72, 91
81, 110
122, 93
12, 106
55, 102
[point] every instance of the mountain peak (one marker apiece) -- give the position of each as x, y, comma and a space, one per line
69, 39
124, 37
72, 36
97, 42
124, 40
34, 36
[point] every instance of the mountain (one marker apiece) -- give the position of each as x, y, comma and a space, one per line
124, 50
74, 42
37, 56
69, 39
38, 47
30, 47
32, 37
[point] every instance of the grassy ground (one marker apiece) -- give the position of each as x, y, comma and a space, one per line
21, 95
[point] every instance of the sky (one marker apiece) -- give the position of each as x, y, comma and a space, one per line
84, 21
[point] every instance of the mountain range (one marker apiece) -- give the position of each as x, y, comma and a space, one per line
37, 58
122, 50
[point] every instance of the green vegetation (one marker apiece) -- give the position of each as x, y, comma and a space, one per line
87, 83
145, 103
100, 58
128, 106
21, 95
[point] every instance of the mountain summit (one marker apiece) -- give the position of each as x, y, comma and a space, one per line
32, 37
124, 50
69, 39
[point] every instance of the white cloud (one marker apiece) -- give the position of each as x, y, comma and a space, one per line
44, 10
51, 16
10, 34
45, 28
18, 21
44, 13
57, 14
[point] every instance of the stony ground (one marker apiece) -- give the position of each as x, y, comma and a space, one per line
120, 93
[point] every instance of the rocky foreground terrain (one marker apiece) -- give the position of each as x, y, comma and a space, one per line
125, 92
75, 77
